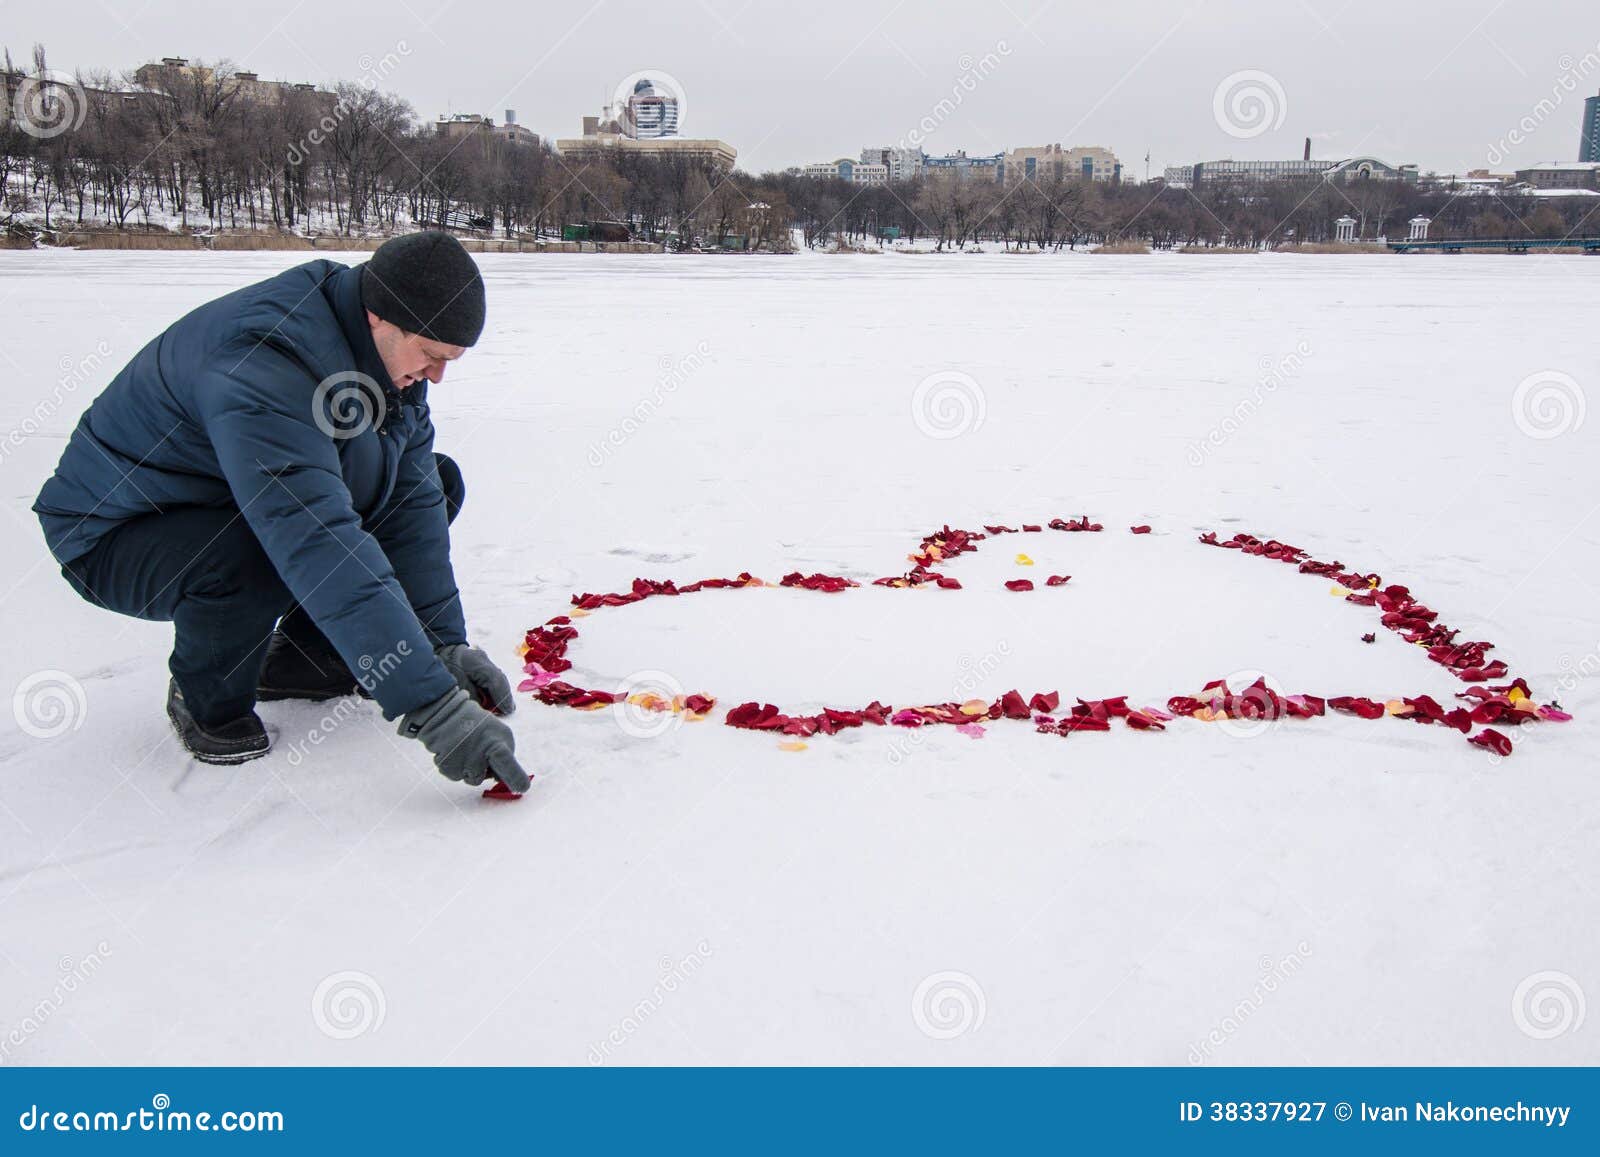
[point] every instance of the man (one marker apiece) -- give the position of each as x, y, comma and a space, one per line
262, 475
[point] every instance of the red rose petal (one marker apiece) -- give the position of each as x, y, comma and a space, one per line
1493, 740
1355, 705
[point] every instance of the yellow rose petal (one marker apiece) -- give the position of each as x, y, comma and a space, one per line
1024, 560
792, 745
975, 707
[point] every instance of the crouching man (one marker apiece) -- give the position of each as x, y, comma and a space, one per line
262, 475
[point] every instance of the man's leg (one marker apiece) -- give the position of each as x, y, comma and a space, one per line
301, 663
203, 571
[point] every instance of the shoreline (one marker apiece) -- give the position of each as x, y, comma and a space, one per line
138, 240
245, 242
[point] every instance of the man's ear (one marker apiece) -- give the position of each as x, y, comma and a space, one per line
373, 319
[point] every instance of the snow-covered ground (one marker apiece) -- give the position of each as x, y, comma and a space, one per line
1331, 891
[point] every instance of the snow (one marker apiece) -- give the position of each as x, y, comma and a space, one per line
1331, 891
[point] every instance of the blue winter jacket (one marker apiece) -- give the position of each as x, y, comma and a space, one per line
231, 407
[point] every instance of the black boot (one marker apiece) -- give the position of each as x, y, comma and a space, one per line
301, 665
233, 742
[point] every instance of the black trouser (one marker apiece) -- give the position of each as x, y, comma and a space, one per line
204, 571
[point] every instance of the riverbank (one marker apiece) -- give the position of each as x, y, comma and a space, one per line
246, 241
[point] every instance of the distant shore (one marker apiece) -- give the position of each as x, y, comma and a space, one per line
265, 240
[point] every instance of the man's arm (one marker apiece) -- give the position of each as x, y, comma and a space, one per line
414, 532
257, 408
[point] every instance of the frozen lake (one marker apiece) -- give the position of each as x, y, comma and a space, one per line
1329, 891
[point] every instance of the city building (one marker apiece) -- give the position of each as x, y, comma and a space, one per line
1231, 172
649, 114
1178, 176
844, 169
604, 137
903, 164
10, 81
455, 126
1052, 162
963, 167
1589, 138
158, 77
155, 80
1474, 181
1561, 175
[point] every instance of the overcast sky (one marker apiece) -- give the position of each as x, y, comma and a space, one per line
1447, 86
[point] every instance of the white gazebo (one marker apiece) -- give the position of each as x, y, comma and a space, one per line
1419, 228
1344, 229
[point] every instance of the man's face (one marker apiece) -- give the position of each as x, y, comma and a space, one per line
410, 357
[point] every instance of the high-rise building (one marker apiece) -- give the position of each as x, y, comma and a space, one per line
1589, 142
651, 114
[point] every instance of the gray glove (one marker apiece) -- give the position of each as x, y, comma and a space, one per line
467, 742
476, 674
